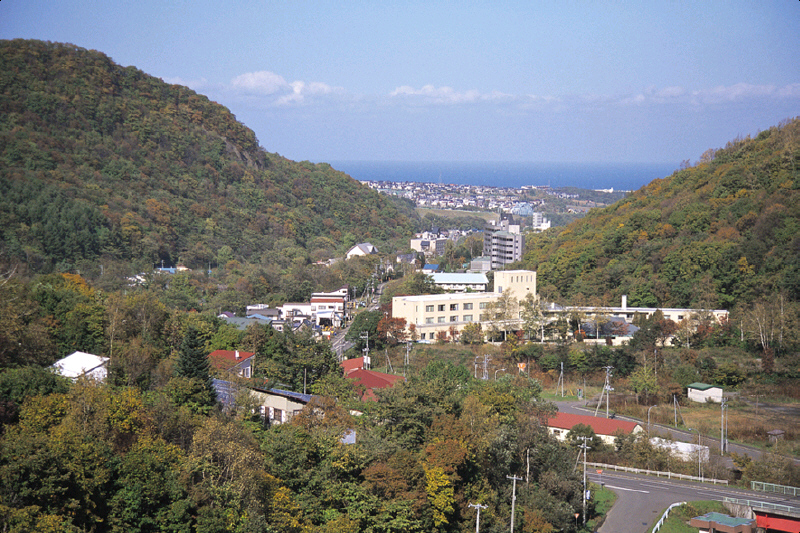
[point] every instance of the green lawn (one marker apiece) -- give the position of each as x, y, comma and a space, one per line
603, 501
680, 516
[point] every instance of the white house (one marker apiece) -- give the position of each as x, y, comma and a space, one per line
82, 364
361, 249
703, 392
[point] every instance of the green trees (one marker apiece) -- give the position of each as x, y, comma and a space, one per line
112, 163
192, 384
293, 361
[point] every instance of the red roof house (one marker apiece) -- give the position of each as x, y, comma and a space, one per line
233, 361
605, 428
369, 380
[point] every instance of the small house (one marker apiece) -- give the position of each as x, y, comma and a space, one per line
280, 406
703, 392
605, 428
361, 249
233, 361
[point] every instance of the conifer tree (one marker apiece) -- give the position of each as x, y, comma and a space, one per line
193, 361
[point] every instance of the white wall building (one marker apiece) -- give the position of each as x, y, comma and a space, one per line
703, 392
434, 313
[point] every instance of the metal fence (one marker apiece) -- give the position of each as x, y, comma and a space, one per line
763, 505
772, 487
668, 475
665, 515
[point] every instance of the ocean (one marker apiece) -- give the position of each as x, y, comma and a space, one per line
617, 176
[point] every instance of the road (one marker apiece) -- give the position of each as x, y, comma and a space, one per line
338, 344
642, 500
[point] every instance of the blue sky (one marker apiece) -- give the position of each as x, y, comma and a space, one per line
543, 81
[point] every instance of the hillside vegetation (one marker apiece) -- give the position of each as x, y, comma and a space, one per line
723, 232
103, 162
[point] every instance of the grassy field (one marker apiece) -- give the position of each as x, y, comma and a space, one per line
603, 501
748, 422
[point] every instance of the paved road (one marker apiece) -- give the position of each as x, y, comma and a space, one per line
641, 500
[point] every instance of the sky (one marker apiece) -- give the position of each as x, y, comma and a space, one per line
536, 80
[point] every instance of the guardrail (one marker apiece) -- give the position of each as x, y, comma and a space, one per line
772, 487
665, 515
668, 475
755, 504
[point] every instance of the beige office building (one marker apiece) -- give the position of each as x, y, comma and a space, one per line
432, 313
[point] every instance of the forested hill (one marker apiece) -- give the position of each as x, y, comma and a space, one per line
718, 234
103, 161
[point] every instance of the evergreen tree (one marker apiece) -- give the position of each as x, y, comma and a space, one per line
193, 361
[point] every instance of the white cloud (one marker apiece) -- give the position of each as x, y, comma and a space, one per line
282, 93
262, 82
448, 95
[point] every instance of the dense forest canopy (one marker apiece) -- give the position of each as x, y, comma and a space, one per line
722, 232
103, 162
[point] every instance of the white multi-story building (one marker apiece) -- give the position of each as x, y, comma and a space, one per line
434, 313
503, 242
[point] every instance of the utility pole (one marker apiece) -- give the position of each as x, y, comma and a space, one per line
606, 389
478, 518
723, 426
513, 497
561, 381
585, 447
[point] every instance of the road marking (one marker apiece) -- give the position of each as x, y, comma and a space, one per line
629, 490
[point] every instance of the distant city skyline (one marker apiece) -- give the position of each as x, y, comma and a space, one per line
582, 82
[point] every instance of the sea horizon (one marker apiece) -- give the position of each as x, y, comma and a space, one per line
512, 174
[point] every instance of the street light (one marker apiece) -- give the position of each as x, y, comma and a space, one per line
498, 370
698, 450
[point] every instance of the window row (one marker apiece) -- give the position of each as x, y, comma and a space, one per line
443, 319
452, 307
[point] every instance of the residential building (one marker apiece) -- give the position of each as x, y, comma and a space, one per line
503, 242
605, 428
361, 249
82, 364
328, 308
233, 361
435, 313
243, 323
263, 310
429, 268
431, 244
280, 406
481, 264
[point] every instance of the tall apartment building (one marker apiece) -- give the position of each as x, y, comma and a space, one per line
503, 241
